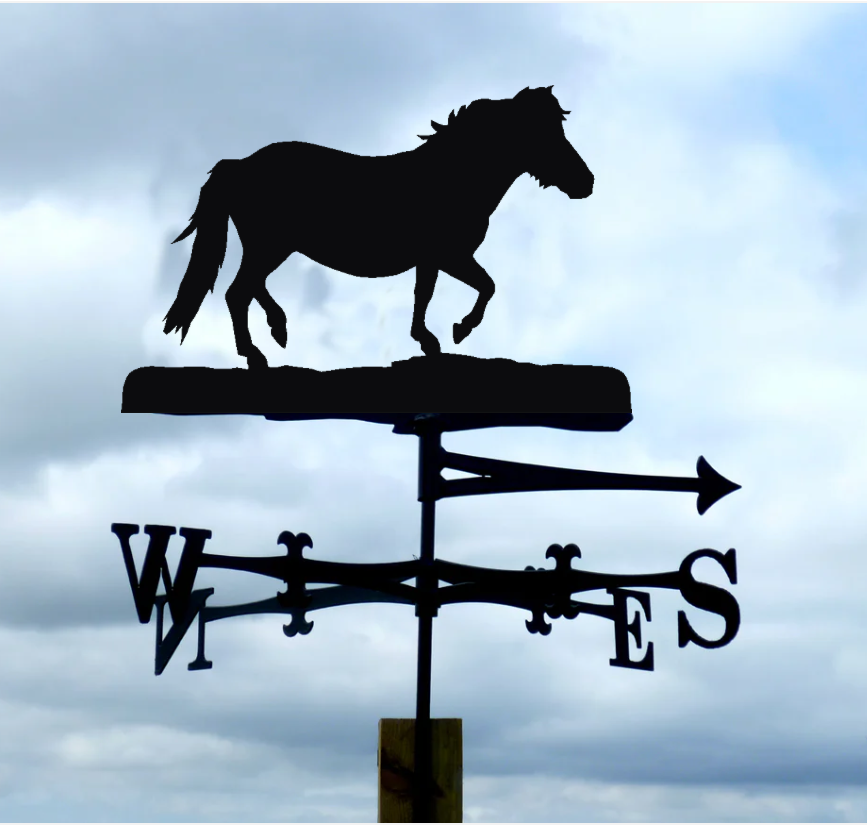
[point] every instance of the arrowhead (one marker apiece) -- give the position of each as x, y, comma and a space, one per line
712, 486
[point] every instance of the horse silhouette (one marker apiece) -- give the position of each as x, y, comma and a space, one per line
375, 216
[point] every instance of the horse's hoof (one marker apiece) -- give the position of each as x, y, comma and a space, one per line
279, 334
461, 331
429, 343
430, 346
257, 362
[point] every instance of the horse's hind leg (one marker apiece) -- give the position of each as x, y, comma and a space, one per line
249, 283
425, 281
471, 273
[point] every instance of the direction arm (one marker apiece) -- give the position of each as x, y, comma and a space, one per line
541, 584
368, 575
498, 477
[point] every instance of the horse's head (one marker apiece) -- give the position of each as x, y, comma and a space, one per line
545, 152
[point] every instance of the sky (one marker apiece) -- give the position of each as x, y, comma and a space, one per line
720, 264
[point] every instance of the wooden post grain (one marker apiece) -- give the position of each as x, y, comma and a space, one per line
396, 759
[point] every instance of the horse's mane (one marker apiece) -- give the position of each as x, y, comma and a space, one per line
539, 98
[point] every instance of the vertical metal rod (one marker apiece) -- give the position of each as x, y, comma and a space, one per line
428, 476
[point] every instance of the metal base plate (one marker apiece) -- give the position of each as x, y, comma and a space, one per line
487, 393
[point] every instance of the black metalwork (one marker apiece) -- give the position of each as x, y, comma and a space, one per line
472, 162
545, 593
542, 592
498, 477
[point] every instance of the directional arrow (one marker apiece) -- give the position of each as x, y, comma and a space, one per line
497, 477
711, 486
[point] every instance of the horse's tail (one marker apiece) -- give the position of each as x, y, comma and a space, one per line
211, 223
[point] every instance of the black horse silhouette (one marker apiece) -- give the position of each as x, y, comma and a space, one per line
375, 216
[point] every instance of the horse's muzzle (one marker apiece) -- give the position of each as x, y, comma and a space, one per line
583, 192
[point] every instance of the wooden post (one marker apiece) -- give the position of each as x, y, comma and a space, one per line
395, 760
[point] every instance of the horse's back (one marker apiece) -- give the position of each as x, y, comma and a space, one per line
321, 162
319, 174
348, 212
292, 151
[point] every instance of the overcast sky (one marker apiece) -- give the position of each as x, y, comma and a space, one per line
720, 264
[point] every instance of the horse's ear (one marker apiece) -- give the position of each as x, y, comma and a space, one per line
549, 88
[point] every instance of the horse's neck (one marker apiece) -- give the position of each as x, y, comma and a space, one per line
480, 179
489, 183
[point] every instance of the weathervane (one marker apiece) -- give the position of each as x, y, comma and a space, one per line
380, 216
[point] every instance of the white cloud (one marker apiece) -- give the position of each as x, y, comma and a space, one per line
698, 46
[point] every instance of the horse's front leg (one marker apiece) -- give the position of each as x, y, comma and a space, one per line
425, 281
471, 273
275, 315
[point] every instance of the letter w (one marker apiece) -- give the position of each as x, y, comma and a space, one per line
144, 590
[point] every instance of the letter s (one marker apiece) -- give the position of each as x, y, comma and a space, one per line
710, 598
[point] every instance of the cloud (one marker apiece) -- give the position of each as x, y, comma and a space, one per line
703, 266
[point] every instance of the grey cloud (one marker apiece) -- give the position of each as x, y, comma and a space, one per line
190, 79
